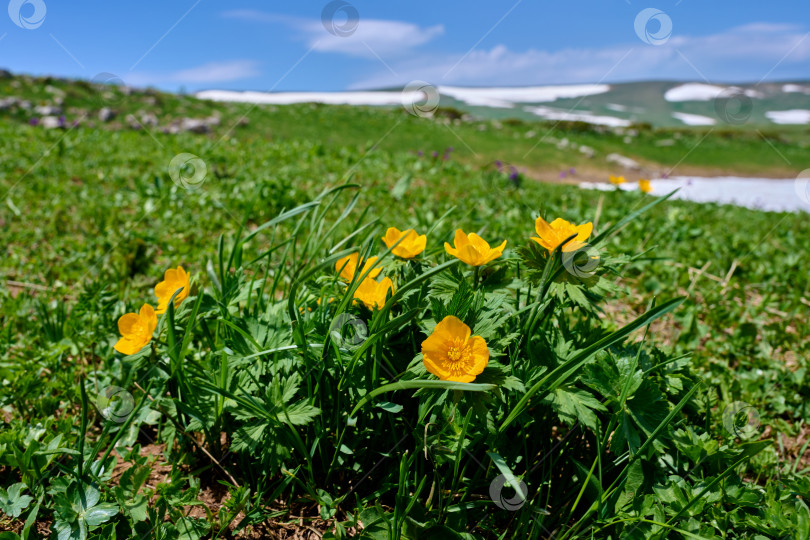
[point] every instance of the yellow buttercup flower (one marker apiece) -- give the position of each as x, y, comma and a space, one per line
410, 247
616, 180
645, 185
451, 354
347, 266
136, 330
553, 234
472, 249
373, 293
173, 279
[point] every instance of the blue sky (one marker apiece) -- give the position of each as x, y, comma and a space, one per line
249, 44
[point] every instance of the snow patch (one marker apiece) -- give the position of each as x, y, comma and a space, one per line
757, 193
792, 116
795, 88
703, 92
694, 119
558, 114
332, 98
484, 97
507, 97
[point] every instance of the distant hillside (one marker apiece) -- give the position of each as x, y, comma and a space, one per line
656, 102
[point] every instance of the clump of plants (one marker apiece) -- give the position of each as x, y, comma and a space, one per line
387, 382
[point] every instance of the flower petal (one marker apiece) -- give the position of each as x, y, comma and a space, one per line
127, 322
149, 318
452, 327
460, 239
127, 346
480, 354
584, 231
435, 367
481, 245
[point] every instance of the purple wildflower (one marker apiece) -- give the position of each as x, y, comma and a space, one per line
34, 121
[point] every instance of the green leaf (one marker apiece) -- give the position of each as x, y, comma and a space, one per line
12, 502
574, 405
803, 521
137, 508
100, 514
393, 408
192, 528
507, 473
299, 414
560, 374
632, 485
430, 385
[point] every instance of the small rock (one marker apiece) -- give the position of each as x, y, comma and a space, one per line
149, 119
106, 114
587, 151
132, 122
665, 142
194, 125
50, 122
623, 161
48, 110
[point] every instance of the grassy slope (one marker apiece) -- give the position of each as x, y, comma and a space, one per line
72, 212
98, 205
529, 145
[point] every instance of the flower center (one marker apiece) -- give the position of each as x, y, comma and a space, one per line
458, 357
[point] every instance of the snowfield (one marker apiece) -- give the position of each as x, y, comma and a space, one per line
558, 114
483, 97
694, 119
702, 92
758, 193
508, 97
792, 116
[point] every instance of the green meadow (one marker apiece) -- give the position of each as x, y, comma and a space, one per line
652, 386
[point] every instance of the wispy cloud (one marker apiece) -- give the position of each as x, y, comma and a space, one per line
730, 55
371, 37
212, 72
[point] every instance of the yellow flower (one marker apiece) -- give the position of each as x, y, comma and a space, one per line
451, 354
472, 249
173, 279
645, 186
136, 330
347, 266
553, 234
616, 180
410, 247
372, 292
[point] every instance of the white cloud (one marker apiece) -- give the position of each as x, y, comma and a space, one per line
366, 38
212, 72
373, 38
742, 53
